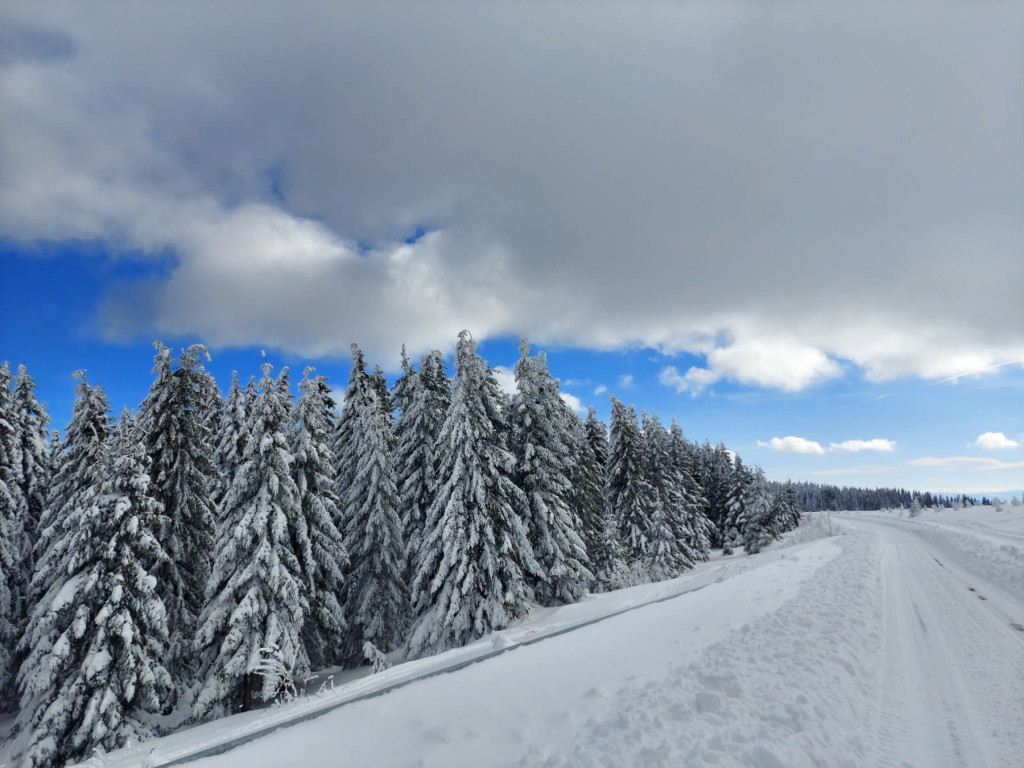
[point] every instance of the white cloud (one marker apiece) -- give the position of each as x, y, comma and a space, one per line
994, 441
573, 402
506, 379
856, 446
966, 462
599, 390
758, 360
792, 444
626, 380
259, 171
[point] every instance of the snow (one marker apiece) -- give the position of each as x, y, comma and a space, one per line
897, 642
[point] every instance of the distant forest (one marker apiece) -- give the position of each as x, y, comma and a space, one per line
814, 497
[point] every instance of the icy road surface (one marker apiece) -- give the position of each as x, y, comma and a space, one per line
896, 643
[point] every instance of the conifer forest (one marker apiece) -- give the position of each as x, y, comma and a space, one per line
198, 556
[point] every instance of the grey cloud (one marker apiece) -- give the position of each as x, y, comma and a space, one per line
702, 177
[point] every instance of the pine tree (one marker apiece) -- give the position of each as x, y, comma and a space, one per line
96, 639
231, 435
629, 494
377, 598
738, 507
609, 556
185, 479
717, 483
12, 504
597, 437
670, 533
380, 388
762, 526
476, 556
255, 596
344, 456
586, 491
325, 560
786, 511
539, 441
426, 395
683, 456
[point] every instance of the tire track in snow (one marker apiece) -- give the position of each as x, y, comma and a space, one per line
949, 692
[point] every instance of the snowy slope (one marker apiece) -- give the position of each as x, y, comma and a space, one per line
896, 643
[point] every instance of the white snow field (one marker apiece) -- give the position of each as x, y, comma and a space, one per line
898, 642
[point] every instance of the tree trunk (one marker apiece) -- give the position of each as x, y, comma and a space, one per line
250, 685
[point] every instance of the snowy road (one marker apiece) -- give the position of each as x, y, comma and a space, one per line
951, 688
897, 643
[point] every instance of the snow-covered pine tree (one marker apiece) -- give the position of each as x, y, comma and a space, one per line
597, 437
185, 479
255, 596
32, 421
670, 533
737, 506
586, 492
231, 436
539, 442
344, 458
326, 560
762, 526
608, 558
405, 385
628, 492
426, 397
716, 471
380, 388
11, 506
683, 455
476, 556
78, 463
376, 595
786, 510
95, 641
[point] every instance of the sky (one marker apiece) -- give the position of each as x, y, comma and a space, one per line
797, 229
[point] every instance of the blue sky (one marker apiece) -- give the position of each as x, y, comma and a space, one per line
726, 214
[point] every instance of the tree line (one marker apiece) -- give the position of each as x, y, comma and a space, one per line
153, 564
816, 497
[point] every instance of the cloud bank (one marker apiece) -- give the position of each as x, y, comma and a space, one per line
739, 184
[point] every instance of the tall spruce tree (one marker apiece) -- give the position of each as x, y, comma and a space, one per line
344, 455
255, 596
380, 388
96, 639
628, 491
32, 422
476, 556
539, 442
670, 530
683, 455
231, 436
609, 557
762, 526
377, 597
737, 506
325, 560
174, 416
716, 470
12, 504
586, 491
426, 396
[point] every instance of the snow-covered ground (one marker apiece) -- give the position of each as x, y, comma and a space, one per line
898, 642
